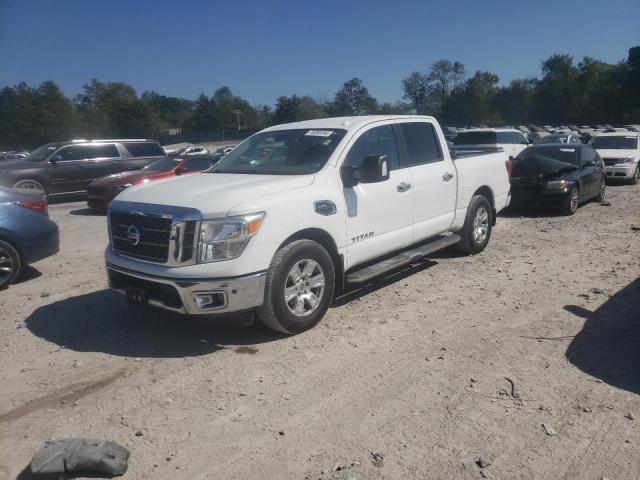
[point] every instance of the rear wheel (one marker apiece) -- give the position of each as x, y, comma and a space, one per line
477, 226
10, 264
571, 202
29, 184
299, 287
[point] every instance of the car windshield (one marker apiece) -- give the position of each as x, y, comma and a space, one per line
162, 165
282, 152
42, 152
562, 154
553, 139
615, 142
475, 138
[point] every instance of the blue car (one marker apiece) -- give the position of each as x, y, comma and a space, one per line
26, 233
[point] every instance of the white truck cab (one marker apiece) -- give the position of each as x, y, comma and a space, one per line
620, 153
299, 210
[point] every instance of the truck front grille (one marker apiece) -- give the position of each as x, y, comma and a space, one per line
143, 236
609, 161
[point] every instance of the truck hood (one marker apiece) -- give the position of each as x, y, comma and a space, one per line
213, 194
604, 153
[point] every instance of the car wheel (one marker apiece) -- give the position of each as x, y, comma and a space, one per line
636, 174
299, 287
29, 184
477, 226
10, 264
602, 193
571, 203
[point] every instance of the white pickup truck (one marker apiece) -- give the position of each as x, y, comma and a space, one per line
298, 211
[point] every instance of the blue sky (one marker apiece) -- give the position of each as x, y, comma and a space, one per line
265, 49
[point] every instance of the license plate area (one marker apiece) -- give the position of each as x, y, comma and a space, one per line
137, 296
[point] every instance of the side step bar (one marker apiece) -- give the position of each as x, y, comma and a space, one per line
363, 274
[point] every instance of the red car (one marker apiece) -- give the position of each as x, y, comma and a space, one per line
102, 190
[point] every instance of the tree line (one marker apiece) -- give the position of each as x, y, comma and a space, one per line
585, 92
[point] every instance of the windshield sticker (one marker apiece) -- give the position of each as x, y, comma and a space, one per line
567, 149
319, 133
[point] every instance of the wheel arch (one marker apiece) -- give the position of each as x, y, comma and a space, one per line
326, 240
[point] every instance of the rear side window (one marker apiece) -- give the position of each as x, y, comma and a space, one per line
197, 164
476, 138
87, 152
588, 155
421, 143
144, 149
376, 141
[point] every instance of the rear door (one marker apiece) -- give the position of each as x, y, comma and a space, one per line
138, 155
379, 215
591, 173
434, 179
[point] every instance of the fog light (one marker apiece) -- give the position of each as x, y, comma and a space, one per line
210, 300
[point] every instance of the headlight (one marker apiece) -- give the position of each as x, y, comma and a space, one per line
226, 238
625, 160
558, 184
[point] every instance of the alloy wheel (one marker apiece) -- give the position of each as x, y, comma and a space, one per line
304, 287
7, 265
480, 225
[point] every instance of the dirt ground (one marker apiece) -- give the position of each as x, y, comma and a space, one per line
415, 376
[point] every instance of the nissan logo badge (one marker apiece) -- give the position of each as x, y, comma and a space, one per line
133, 235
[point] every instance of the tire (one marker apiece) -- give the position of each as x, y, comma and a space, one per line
298, 313
602, 193
570, 204
636, 175
29, 184
10, 264
479, 214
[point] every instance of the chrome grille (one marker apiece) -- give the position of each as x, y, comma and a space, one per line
610, 161
154, 235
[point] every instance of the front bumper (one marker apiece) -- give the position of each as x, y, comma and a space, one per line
539, 196
227, 295
621, 171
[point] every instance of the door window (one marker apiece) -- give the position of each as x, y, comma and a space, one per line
87, 152
376, 141
421, 143
144, 149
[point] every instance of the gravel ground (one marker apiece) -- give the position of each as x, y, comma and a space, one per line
444, 370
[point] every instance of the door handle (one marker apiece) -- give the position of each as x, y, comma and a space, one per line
403, 186
447, 176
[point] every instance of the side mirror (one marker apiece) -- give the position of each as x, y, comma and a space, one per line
589, 163
181, 170
55, 159
374, 169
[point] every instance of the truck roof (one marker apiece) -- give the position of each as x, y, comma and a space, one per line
346, 123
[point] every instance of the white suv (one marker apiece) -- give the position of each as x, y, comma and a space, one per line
620, 153
510, 140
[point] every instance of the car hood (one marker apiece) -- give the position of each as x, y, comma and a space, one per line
538, 166
213, 194
604, 153
18, 164
135, 176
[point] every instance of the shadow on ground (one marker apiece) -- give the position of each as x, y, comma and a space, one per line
88, 212
28, 273
102, 321
608, 346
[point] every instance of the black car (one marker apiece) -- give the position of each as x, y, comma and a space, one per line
557, 175
69, 167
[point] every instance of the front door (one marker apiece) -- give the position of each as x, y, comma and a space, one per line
75, 166
379, 215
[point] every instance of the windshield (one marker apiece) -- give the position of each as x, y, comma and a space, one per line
162, 165
553, 139
282, 152
42, 152
563, 154
475, 138
619, 142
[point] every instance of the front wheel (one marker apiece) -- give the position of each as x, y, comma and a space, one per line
602, 193
636, 174
10, 264
571, 202
477, 226
299, 287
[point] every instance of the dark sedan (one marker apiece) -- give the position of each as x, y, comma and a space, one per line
26, 233
558, 175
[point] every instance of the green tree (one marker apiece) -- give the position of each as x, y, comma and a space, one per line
557, 98
513, 102
418, 93
353, 99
